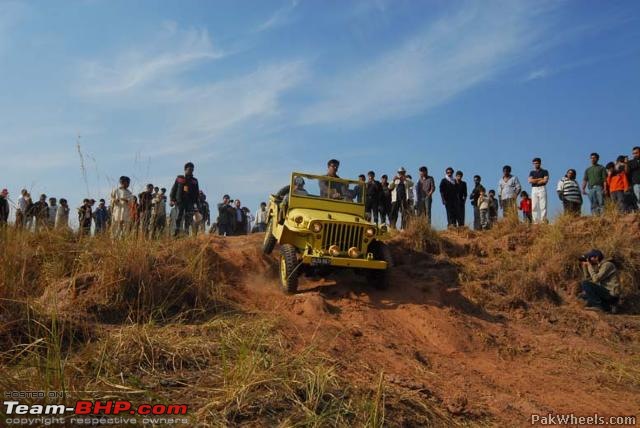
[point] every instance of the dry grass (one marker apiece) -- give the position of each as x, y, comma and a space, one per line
151, 321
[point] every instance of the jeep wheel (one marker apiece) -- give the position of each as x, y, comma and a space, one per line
269, 240
289, 272
380, 278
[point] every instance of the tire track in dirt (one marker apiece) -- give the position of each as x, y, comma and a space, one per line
426, 336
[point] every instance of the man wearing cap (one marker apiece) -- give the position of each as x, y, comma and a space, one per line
601, 286
399, 188
145, 200
226, 217
185, 195
538, 178
449, 194
4, 207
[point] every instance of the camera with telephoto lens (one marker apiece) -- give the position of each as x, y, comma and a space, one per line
583, 258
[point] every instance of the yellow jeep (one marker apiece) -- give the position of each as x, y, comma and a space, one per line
319, 222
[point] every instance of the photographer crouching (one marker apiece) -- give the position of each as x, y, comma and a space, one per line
601, 286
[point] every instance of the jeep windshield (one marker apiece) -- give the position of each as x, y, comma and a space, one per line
325, 187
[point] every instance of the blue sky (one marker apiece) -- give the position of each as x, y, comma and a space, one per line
251, 90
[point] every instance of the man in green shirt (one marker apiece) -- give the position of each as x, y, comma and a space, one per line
595, 179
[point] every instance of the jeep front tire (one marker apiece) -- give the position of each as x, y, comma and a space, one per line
289, 268
269, 240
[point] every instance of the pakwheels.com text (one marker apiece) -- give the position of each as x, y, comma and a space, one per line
572, 419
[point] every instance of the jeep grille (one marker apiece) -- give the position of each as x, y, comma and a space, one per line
343, 235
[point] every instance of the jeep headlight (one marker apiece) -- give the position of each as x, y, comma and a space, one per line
370, 232
316, 227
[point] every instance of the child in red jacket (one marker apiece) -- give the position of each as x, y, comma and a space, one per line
525, 207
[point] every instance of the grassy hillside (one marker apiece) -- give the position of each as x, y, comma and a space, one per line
200, 321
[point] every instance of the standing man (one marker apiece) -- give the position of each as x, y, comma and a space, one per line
85, 215
185, 195
461, 198
633, 169
595, 180
449, 196
261, 218
240, 226
62, 215
399, 188
226, 217
475, 194
539, 178
424, 192
4, 207
53, 210
41, 213
21, 209
101, 217
159, 213
120, 198
372, 203
508, 190
384, 206
145, 200
205, 211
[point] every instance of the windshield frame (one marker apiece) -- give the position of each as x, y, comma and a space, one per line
320, 178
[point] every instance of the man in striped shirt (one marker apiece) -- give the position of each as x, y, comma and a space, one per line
569, 193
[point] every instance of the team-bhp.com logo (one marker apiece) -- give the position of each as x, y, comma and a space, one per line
83, 411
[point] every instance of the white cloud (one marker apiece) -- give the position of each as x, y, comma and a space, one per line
246, 103
538, 74
174, 52
279, 17
443, 60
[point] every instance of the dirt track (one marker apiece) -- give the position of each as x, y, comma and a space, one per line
429, 339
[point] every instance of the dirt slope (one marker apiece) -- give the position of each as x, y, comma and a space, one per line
429, 339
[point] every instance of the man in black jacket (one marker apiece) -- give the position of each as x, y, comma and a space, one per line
449, 196
374, 191
226, 217
145, 199
461, 198
185, 196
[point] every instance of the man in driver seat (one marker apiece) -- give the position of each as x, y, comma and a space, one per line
329, 189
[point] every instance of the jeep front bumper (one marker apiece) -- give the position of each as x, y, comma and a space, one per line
347, 262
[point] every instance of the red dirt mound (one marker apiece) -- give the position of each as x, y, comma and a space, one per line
429, 338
